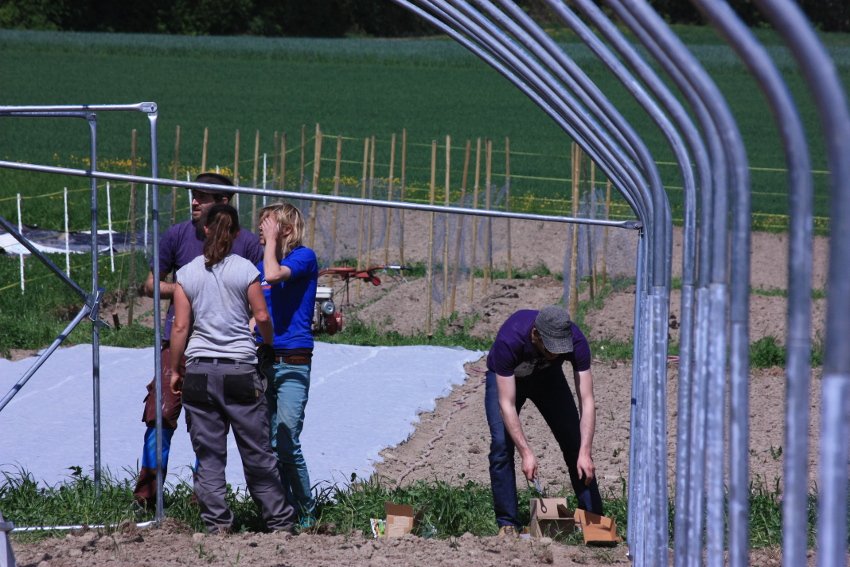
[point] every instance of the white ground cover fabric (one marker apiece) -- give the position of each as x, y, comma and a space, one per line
362, 400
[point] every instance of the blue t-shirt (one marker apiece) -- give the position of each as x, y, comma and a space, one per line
514, 355
291, 303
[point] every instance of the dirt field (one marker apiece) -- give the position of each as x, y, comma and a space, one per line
453, 440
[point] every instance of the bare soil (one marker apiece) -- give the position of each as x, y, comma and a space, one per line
453, 442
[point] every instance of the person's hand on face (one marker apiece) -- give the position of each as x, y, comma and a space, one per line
269, 230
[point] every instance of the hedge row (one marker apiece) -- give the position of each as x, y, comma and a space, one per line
318, 18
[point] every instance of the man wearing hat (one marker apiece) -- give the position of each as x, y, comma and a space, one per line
525, 363
180, 244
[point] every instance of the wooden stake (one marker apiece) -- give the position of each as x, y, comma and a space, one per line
605, 233
403, 190
576, 158
236, 170
204, 152
474, 221
274, 159
336, 194
508, 198
459, 239
445, 303
488, 225
174, 176
591, 257
389, 199
362, 196
132, 276
303, 156
317, 165
282, 161
431, 239
254, 182
371, 209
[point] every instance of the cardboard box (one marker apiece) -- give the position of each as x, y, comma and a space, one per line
596, 529
550, 518
401, 519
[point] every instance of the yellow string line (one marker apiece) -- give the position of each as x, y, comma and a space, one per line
513, 152
413, 188
51, 275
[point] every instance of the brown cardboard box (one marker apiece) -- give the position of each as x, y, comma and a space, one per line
550, 518
597, 530
401, 519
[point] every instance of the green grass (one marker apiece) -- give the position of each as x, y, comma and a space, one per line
355, 88
33, 319
452, 508
357, 332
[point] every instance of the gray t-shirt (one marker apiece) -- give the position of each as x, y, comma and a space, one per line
220, 309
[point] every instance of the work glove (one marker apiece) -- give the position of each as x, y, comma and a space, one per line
265, 355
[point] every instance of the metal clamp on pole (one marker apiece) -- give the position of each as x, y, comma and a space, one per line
93, 302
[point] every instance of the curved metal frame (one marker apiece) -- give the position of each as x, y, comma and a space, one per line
715, 287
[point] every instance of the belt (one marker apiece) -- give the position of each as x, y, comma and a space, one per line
296, 359
219, 360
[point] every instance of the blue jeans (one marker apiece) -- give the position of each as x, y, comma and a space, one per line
289, 385
548, 390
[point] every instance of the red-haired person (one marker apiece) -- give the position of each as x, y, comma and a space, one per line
220, 383
290, 274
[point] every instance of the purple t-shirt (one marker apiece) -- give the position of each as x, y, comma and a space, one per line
180, 245
514, 355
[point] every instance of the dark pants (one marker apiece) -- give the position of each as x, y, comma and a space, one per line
548, 390
215, 394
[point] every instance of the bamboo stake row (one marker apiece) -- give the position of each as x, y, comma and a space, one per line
597, 277
176, 167
317, 166
431, 239
389, 199
508, 198
444, 303
474, 219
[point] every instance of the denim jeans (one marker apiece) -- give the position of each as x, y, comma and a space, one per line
288, 388
548, 390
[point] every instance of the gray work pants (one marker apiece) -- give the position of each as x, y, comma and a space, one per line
217, 392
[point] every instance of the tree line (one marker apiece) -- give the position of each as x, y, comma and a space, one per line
317, 18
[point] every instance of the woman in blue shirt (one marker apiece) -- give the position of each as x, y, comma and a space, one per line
289, 274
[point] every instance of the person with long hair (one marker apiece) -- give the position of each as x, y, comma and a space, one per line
180, 244
220, 384
290, 273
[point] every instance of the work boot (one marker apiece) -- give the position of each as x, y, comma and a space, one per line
145, 491
509, 531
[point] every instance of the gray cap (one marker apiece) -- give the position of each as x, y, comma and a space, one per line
553, 324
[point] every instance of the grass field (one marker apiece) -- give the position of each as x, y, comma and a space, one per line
353, 87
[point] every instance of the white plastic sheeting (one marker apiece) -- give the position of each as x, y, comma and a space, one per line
362, 400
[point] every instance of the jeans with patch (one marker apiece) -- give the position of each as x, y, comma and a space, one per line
288, 389
549, 391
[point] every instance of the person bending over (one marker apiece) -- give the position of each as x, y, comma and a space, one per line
220, 383
289, 274
525, 363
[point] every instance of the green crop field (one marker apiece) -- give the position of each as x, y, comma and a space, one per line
355, 88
